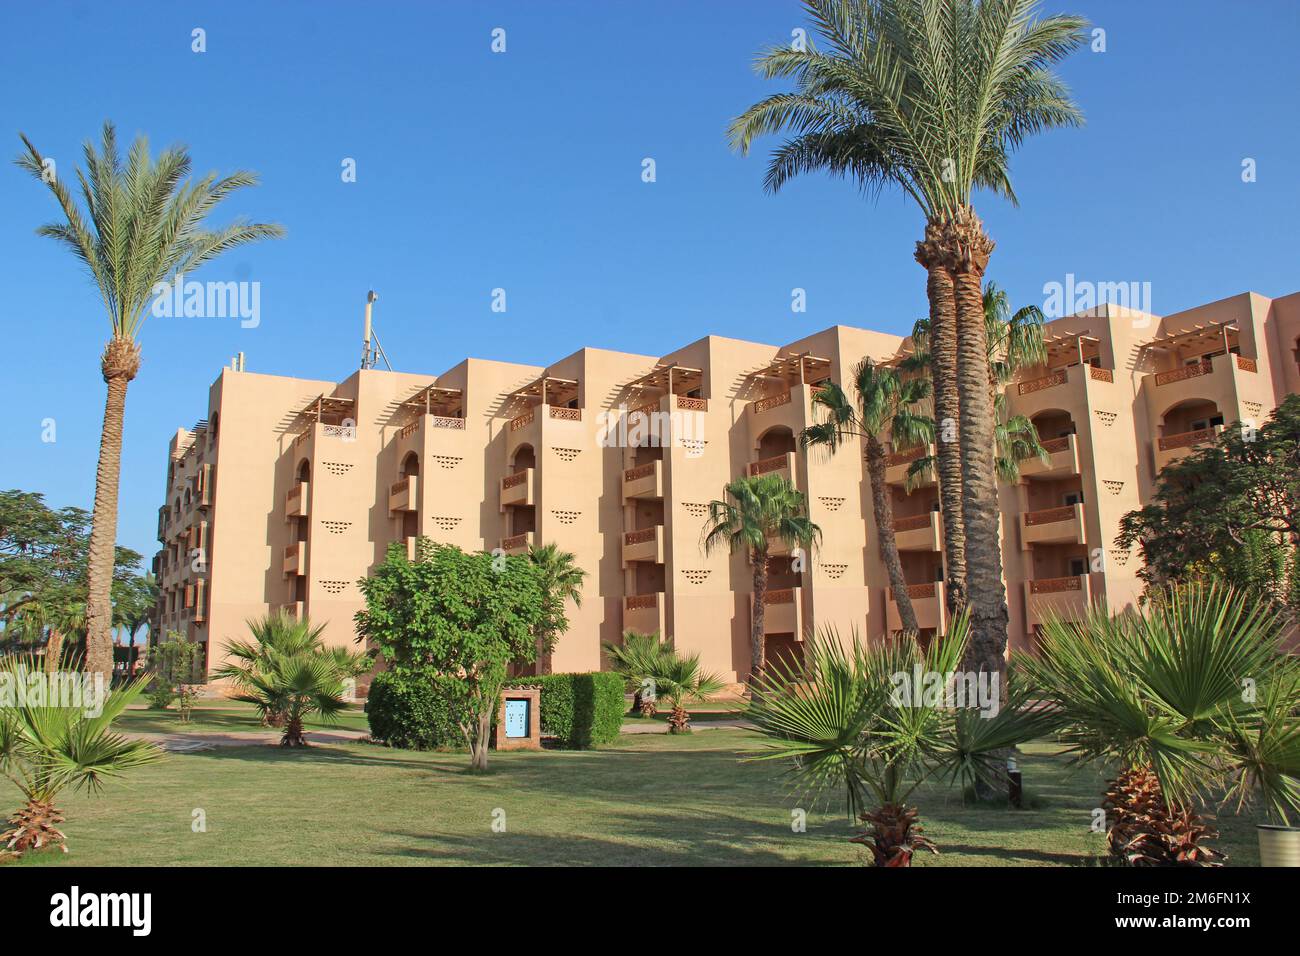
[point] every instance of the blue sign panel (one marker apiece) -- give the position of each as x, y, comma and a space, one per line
517, 717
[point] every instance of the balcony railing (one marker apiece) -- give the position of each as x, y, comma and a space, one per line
1063, 525
403, 495
782, 612
766, 466
771, 402
644, 613
643, 544
643, 481
566, 414
914, 522
1038, 384
518, 543
294, 556
1064, 598
1188, 439
517, 489
295, 500
927, 604
689, 404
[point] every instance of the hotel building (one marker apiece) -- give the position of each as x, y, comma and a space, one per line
293, 488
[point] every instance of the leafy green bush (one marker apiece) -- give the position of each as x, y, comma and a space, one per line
580, 710
405, 710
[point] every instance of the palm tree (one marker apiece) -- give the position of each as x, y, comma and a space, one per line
845, 721
1015, 342
142, 224
885, 406
278, 638
1189, 700
292, 687
680, 680
44, 749
931, 96
561, 581
755, 511
635, 661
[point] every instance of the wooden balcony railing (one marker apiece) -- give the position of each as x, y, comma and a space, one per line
640, 471
1056, 585
912, 523
640, 537
398, 487
515, 541
512, 481
1050, 515
641, 602
918, 591
779, 596
1038, 384
771, 402
1183, 374
1187, 439
765, 465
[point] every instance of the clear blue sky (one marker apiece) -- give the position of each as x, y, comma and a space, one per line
523, 171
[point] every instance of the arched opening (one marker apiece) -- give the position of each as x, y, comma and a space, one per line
410, 465
775, 441
214, 423
1192, 415
1053, 423
524, 459
188, 497
304, 470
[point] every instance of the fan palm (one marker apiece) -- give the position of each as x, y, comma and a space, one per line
45, 748
931, 97
756, 511
277, 638
852, 719
293, 687
680, 680
1187, 700
142, 224
561, 581
635, 660
885, 405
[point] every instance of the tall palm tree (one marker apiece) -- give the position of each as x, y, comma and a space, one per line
756, 511
45, 748
561, 580
885, 405
143, 223
931, 96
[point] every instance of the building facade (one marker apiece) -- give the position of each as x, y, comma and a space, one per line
293, 489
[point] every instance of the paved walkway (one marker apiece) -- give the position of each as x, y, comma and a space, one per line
661, 727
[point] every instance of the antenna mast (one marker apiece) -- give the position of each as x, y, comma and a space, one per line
370, 355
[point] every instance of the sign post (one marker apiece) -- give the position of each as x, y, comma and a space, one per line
519, 724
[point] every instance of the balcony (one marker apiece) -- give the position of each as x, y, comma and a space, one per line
293, 610
1065, 598
295, 559
162, 524
644, 613
782, 611
517, 544
402, 496
918, 532
1170, 448
295, 500
517, 489
896, 466
927, 604
200, 602
644, 481
203, 487
644, 544
782, 465
1062, 460
1063, 525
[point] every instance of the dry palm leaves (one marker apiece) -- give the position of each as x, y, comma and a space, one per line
894, 835
1144, 830
34, 827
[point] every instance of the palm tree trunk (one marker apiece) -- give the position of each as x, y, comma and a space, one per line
757, 660
941, 293
884, 513
54, 651
120, 362
970, 249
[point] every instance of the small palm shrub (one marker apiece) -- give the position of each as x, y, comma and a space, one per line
1191, 701
44, 749
634, 660
680, 680
840, 722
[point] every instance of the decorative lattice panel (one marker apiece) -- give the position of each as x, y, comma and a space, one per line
831, 504
333, 587
337, 468
566, 454
696, 509
445, 523
694, 446
1119, 558
1114, 487
1253, 408
336, 527
835, 571
1106, 418
696, 577
566, 517
446, 461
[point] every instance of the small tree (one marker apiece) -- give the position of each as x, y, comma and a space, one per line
177, 665
462, 619
561, 580
681, 680
635, 660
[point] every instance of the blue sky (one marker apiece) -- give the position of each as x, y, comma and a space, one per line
522, 171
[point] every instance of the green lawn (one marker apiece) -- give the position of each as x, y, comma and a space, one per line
648, 800
222, 716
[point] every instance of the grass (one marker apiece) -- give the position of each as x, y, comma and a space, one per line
222, 716
649, 800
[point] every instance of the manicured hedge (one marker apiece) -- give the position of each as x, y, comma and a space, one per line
580, 710
403, 711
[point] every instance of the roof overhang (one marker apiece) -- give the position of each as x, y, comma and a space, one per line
797, 369
1211, 333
